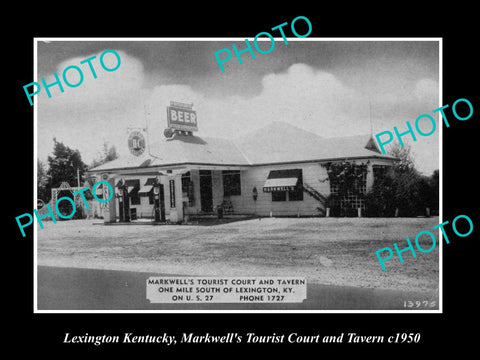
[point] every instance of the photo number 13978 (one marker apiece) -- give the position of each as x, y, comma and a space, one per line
417, 304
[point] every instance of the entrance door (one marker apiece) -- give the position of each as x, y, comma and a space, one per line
206, 195
162, 203
158, 203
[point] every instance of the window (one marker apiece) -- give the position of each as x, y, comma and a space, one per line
151, 199
281, 182
185, 182
134, 198
187, 188
279, 196
379, 172
231, 182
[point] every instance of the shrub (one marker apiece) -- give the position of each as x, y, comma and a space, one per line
379, 200
405, 190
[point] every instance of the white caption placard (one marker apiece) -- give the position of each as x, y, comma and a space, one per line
163, 289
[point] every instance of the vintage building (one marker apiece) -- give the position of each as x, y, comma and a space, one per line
263, 173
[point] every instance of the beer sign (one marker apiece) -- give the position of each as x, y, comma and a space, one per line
181, 117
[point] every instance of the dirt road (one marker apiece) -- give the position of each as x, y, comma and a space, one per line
328, 251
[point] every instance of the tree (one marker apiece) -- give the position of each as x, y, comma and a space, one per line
43, 191
404, 162
407, 182
401, 188
63, 165
433, 181
107, 154
379, 200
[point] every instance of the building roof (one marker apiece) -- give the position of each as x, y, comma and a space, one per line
280, 142
276, 143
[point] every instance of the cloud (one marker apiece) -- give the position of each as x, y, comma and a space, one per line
426, 90
314, 99
97, 110
110, 88
302, 96
101, 109
308, 98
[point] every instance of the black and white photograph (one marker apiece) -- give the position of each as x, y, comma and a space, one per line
223, 179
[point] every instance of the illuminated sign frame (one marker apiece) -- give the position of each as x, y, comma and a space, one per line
175, 113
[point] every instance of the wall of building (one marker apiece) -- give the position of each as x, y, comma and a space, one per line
313, 174
264, 205
217, 182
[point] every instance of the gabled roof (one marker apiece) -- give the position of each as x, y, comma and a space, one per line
276, 143
280, 142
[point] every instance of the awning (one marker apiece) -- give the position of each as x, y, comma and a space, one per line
145, 189
150, 181
281, 180
130, 189
128, 182
284, 184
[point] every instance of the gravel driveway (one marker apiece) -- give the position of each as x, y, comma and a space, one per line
329, 251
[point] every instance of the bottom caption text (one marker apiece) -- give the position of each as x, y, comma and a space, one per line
235, 338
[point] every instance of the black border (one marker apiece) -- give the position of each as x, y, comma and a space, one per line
44, 333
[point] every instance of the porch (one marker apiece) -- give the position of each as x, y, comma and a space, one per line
184, 195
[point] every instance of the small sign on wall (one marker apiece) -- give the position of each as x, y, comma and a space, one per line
136, 143
172, 193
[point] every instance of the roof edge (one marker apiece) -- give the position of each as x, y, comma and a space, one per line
384, 157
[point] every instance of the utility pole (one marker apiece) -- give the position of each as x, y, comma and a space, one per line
146, 127
370, 116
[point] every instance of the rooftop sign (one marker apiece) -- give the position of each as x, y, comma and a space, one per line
181, 117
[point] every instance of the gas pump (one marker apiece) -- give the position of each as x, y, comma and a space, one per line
123, 202
157, 199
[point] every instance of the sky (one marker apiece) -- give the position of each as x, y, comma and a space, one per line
331, 88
